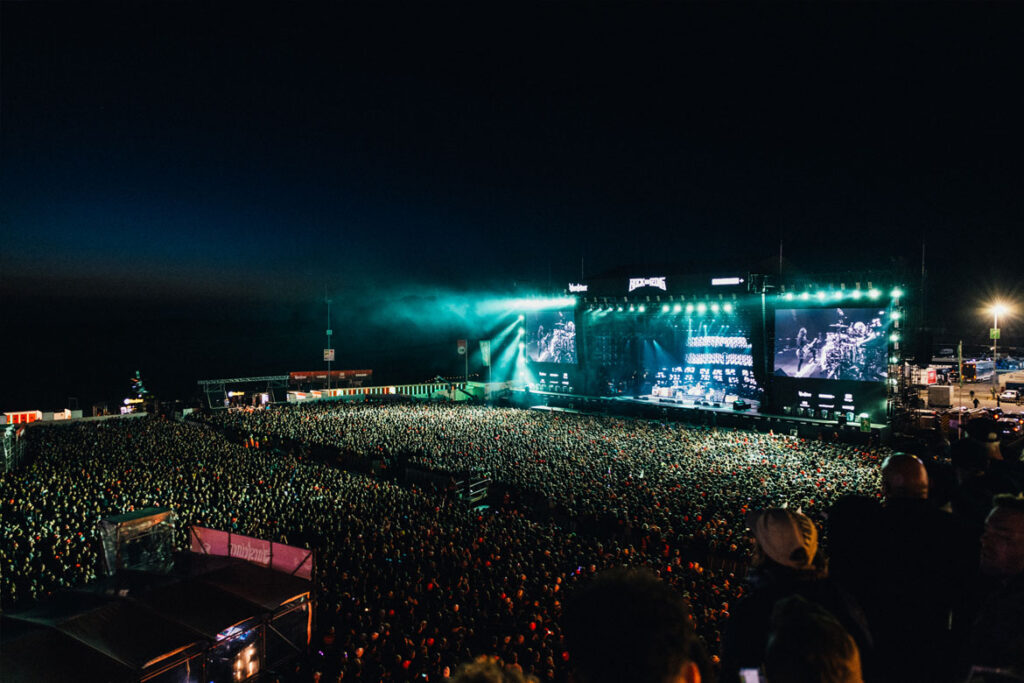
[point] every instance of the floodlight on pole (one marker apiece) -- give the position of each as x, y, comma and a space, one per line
997, 309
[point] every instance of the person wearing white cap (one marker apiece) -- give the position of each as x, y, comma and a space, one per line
786, 562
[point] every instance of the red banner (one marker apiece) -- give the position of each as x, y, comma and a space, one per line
276, 556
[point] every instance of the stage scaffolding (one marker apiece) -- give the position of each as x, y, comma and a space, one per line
12, 443
216, 390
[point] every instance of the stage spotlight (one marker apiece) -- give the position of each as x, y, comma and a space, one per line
714, 308
642, 308
856, 294
632, 308
728, 308
664, 308
897, 293
701, 308
821, 296
896, 315
894, 337
689, 308
522, 318
873, 293
837, 295
619, 309
805, 296
677, 308
789, 296
521, 346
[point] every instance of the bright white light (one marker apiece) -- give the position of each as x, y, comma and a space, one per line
789, 296
714, 308
874, 293
728, 308
999, 309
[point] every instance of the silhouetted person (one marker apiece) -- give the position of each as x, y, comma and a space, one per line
996, 638
807, 645
786, 562
628, 625
925, 558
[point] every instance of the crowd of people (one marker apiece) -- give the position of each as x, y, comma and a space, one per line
414, 582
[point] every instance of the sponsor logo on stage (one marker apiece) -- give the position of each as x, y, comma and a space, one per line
251, 552
574, 287
638, 282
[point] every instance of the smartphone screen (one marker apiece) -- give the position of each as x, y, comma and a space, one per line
750, 676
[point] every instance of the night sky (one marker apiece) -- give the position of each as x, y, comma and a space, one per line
182, 183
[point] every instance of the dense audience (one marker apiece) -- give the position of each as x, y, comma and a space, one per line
414, 582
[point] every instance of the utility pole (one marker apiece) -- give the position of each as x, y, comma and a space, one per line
330, 333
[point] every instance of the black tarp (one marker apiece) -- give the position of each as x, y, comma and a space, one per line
125, 627
257, 584
31, 653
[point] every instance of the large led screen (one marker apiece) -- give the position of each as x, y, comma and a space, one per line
700, 357
550, 336
847, 344
683, 356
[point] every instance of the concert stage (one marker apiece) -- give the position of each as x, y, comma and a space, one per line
701, 413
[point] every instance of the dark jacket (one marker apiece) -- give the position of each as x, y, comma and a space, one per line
746, 633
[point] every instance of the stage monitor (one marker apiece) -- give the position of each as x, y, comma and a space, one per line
550, 336
845, 344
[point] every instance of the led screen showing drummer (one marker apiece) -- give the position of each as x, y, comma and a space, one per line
831, 343
551, 337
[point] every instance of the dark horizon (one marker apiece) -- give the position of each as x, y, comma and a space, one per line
181, 183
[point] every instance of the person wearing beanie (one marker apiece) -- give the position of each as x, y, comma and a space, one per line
786, 562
